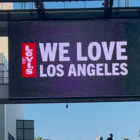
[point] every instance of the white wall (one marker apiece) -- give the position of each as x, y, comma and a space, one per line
4, 6
8, 115
13, 112
4, 46
2, 120
3, 91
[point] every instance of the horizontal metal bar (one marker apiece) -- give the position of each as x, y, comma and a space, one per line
68, 100
69, 14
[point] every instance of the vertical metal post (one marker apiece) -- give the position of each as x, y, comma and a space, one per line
105, 8
118, 4
126, 3
40, 8
21, 5
106, 4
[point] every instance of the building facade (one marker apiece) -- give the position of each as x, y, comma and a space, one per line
8, 116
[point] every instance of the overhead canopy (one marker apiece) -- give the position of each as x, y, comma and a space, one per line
39, 5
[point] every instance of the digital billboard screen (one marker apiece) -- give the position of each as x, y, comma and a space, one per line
74, 59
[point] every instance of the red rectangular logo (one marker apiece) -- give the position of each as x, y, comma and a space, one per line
29, 60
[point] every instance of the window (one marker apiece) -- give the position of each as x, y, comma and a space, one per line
25, 130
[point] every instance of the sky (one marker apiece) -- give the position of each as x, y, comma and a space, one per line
83, 121
81, 4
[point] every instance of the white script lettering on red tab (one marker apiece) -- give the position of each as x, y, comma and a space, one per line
29, 58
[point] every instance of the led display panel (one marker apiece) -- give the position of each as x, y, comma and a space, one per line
74, 59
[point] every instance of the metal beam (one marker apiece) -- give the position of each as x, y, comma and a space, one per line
69, 14
68, 100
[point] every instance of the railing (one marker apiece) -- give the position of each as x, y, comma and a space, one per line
78, 4
4, 78
66, 4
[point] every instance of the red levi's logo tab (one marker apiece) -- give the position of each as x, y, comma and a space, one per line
29, 60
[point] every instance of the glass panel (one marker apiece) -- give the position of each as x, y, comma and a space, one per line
20, 134
19, 124
28, 134
28, 124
